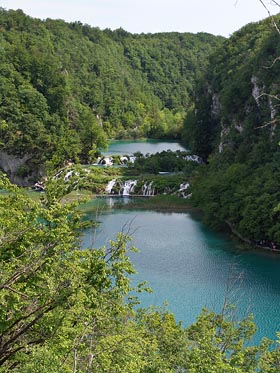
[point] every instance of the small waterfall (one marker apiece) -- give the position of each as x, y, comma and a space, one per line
125, 188
128, 187
127, 159
104, 161
68, 175
110, 161
110, 186
147, 189
132, 159
39, 186
193, 158
182, 189
124, 159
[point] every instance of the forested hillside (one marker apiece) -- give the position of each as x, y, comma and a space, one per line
235, 127
66, 87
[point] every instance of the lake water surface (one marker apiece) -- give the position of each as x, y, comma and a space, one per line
128, 147
191, 267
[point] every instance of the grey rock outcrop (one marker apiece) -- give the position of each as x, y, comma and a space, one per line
20, 171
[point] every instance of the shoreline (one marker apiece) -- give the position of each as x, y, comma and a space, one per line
251, 243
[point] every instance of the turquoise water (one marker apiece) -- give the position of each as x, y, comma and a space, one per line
128, 147
191, 267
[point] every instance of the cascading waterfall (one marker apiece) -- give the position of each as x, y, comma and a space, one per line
147, 189
182, 190
110, 186
68, 175
103, 161
110, 161
121, 188
128, 187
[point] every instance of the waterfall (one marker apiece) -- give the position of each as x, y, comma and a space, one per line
106, 161
183, 188
125, 187
110, 186
147, 189
68, 175
194, 158
109, 161
128, 187
103, 161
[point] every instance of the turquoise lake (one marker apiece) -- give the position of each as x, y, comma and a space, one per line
191, 267
128, 147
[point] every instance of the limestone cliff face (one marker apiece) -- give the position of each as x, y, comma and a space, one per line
255, 114
21, 171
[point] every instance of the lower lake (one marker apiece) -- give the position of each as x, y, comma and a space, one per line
191, 267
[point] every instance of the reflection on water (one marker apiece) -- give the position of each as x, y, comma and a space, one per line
192, 267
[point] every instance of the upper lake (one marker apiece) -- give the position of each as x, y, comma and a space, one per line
128, 147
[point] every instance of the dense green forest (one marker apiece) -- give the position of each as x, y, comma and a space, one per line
235, 128
66, 87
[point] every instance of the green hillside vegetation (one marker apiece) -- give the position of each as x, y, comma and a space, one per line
236, 129
66, 87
